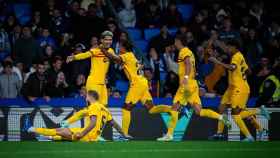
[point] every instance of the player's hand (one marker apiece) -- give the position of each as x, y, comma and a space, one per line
69, 59
77, 136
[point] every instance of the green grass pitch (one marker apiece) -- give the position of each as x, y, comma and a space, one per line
139, 149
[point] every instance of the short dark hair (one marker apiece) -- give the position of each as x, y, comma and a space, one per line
182, 38
234, 42
127, 45
93, 94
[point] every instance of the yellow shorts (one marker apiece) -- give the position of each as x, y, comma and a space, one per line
235, 99
187, 95
138, 91
101, 89
92, 136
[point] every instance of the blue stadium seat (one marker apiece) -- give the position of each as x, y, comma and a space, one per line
122, 86
135, 34
150, 33
186, 10
22, 12
142, 44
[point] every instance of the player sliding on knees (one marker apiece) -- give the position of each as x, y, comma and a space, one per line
139, 89
188, 91
95, 115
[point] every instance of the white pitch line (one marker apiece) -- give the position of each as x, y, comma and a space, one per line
143, 151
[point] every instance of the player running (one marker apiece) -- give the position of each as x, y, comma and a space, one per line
188, 91
138, 90
95, 115
237, 93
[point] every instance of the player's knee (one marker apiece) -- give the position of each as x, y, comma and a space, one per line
128, 106
176, 107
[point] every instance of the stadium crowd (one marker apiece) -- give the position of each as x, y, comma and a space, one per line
33, 52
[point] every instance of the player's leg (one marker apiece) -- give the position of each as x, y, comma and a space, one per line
56, 133
241, 124
220, 129
258, 111
126, 117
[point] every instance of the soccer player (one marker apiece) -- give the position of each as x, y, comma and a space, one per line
99, 66
96, 116
237, 93
139, 89
188, 91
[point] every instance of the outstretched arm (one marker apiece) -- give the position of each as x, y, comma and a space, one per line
115, 125
79, 56
227, 66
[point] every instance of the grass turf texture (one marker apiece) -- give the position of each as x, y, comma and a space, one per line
139, 149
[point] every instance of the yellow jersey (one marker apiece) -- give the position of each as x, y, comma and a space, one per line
102, 114
131, 67
186, 52
237, 77
99, 64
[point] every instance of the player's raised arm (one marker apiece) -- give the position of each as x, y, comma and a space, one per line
80, 56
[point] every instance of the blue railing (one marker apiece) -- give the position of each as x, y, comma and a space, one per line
80, 102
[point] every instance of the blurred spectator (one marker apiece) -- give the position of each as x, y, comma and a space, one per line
36, 84
48, 53
171, 84
36, 23
261, 71
46, 39
156, 64
10, 23
5, 47
30, 71
59, 88
153, 84
86, 3
15, 69
58, 24
269, 92
127, 16
10, 83
162, 40
228, 33
78, 84
14, 36
56, 67
113, 27
170, 58
151, 18
253, 48
27, 49
172, 17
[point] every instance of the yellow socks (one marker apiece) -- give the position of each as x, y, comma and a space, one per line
45, 131
240, 123
160, 109
221, 127
247, 113
172, 122
57, 137
209, 113
125, 120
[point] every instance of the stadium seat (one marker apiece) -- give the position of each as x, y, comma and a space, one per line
122, 86
150, 33
186, 10
142, 44
22, 12
135, 34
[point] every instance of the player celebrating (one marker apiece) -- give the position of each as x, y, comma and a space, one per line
96, 116
238, 91
99, 66
188, 91
139, 90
